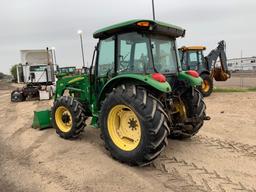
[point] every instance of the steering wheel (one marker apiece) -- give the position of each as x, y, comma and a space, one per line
122, 66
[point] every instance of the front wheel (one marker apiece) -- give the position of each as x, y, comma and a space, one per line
68, 117
207, 87
133, 125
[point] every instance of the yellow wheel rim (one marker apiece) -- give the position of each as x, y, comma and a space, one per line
124, 127
63, 119
205, 86
181, 109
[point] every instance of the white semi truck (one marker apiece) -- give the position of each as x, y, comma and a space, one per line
37, 72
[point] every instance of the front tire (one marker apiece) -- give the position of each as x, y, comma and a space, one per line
133, 125
68, 117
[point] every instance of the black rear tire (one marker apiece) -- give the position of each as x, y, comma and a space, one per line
195, 108
207, 88
152, 120
77, 116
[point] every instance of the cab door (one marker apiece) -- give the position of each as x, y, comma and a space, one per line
105, 63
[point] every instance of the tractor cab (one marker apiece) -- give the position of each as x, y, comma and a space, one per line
137, 47
137, 53
192, 58
66, 71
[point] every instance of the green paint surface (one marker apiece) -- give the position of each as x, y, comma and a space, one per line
132, 23
192, 81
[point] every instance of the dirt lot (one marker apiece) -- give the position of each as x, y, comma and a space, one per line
222, 157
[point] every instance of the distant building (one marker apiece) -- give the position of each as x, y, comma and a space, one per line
242, 64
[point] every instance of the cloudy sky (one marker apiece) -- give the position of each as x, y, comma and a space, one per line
36, 24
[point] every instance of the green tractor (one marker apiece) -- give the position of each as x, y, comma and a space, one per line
135, 91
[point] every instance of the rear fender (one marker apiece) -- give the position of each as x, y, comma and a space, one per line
145, 80
190, 80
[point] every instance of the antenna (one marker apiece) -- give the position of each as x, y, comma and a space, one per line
153, 10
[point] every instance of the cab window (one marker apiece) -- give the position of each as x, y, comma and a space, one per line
106, 60
133, 53
193, 60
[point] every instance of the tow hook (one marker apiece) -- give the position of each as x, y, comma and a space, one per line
207, 118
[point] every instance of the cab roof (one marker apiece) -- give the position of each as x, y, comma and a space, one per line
194, 48
156, 27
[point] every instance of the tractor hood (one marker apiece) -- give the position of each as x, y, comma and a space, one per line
141, 25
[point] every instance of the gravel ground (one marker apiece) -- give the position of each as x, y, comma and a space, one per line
222, 157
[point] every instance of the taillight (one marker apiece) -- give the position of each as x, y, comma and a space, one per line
159, 77
192, 73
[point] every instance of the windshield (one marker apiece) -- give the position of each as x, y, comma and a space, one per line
141, 53
192, 60
134, 53
164, 54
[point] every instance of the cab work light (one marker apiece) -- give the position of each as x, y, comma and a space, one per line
143, 24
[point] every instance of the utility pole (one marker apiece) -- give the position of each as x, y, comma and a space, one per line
241, 76
153, 10
82, 45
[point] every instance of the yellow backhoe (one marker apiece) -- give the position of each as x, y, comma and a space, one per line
192, 58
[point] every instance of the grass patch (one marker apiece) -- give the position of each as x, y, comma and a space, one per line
231, 90
252, 89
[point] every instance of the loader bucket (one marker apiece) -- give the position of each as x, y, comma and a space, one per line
42, 119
